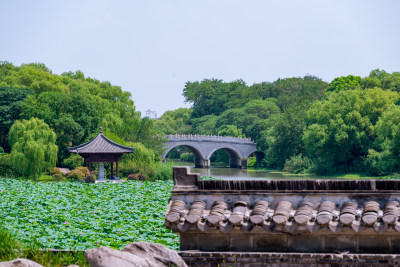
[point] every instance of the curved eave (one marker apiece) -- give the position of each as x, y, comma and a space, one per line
124, 149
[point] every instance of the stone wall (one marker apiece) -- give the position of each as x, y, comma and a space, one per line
259, 241
285, 216
261, 259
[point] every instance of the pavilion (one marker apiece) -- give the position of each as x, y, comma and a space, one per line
101, 149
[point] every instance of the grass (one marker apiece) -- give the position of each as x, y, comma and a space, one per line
11, 249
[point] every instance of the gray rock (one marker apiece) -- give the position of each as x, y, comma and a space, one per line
20, 263
141, 254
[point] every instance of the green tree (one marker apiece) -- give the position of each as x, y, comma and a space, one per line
33, 147
382, 79
73, 116
385, 159
208, 97
11, 99
73, 161
341, 129
175, 122
349, 82
296, 91
205, 125
282, 139
230, 130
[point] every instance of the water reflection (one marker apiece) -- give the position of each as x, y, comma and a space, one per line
227, 173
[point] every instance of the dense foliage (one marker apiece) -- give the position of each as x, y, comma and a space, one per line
301, 124
82, 216
73, 106
11, 99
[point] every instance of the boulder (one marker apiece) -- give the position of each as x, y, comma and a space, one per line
138, 254
20, 263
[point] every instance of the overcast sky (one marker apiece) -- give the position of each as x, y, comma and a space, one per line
151, 48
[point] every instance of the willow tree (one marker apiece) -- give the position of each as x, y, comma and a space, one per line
33, 146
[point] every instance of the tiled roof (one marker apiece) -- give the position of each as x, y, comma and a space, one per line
307, 217
101, 145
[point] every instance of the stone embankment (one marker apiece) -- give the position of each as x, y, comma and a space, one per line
271, 219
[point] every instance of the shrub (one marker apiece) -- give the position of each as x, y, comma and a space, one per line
128, 167
251, 161
297, 164
133, 166
379, 163
132, 177
163, 171
188, 157
84, 170
75, 175
1, 150
393, 176
96, 173
6, 168
141, 176
137, 177
58, 177
57, 171
74, 161
90, 178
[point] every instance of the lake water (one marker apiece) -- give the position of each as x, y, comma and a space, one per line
227, 173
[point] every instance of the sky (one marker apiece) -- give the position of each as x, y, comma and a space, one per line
152, 48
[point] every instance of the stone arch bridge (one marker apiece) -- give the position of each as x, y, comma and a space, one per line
203, 146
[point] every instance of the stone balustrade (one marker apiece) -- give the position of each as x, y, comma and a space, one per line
229, 139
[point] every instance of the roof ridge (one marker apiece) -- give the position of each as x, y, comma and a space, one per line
96, 144
114, 143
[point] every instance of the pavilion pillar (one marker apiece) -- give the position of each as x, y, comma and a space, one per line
101, 171
112, 171
116, 167
90, 166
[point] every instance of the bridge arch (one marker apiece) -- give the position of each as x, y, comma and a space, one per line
199, 161
204, 146
234, 156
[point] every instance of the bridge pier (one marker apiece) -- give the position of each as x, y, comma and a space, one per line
207, 163
203, 148
244, 163
234, 163
202, 163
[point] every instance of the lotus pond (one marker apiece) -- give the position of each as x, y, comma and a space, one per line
80, 216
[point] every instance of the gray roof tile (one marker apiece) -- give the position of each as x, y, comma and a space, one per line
101, 145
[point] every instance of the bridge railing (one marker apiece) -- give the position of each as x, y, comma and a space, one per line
198, 137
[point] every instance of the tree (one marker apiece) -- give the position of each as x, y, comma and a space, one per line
384, 159
382, 79
298, 91
341, 129
349, 82
205, 125
208, 97
175, 122
73, 161
230, 130
282, 139
73, 116
11, 99
33, 147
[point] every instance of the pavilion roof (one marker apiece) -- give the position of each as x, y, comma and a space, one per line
101, 145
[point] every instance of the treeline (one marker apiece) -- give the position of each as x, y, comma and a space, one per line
74, 106
302, 124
